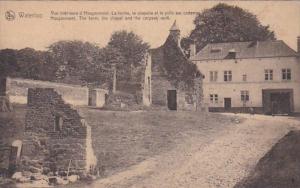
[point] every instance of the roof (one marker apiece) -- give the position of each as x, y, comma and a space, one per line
174, 27
243, 50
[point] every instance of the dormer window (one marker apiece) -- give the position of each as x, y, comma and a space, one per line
215, 50
231, 54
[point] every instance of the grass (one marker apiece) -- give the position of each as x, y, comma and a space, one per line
122, 139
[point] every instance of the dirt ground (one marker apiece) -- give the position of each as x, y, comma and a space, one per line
204, 160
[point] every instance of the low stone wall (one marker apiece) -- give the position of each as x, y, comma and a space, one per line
56, 138
17, 89
255, 110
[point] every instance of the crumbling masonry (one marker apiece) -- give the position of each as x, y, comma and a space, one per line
56, 138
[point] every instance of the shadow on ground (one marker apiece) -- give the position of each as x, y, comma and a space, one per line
280, 167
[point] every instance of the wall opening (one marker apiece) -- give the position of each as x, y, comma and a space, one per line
14, 157
92, 97
58, 123
172, 99
227, 104
278, 101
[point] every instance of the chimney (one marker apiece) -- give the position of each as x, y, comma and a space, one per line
298, 44
175, 32
192, 49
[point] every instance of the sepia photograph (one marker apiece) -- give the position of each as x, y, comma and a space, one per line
150, 94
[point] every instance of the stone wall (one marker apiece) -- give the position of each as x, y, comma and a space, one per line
160, 86
55, 137
17, 89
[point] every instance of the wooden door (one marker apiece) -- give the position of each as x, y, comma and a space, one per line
172, 99
227, 104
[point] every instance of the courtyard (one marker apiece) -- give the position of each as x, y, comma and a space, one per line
175, 148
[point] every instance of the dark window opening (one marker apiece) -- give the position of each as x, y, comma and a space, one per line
215, 50
227, 76
214, 98
244, 96
58, 123
268, 74
231, 54
286, 74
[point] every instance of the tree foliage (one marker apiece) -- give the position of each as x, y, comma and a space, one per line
73, 59
131, 46
225, 23
102, 70
8, 62
27, 63
77, 62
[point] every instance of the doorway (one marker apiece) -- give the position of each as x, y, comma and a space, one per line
280, 103
172, 99
92, 97
227, 104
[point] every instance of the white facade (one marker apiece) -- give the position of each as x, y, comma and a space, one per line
248, 75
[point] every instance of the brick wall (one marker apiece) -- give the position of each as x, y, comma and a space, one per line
55, 134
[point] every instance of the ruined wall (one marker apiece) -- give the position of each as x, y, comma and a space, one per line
16, 90
55, 135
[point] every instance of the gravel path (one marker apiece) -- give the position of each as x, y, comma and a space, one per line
206, 162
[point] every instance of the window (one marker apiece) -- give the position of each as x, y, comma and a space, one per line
231, 54
227, 76
58, 123
213, 98
244, 77
286, 74
213, 76
268, 74
244, 96
215, 50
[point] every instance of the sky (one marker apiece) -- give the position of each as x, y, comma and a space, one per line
282, 16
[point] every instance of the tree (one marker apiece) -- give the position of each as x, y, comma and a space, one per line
8, 63
130, 45
102, 70
74, 58
225, 23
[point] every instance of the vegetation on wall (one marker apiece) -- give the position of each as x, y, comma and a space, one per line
180, 71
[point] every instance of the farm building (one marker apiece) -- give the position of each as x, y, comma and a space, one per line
258, 76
